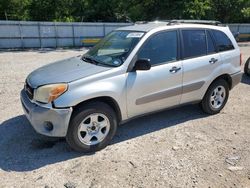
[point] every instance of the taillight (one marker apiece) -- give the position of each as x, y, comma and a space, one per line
240, 59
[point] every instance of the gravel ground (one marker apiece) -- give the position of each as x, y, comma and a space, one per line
182, 147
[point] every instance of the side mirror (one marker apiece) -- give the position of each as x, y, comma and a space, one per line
142, 64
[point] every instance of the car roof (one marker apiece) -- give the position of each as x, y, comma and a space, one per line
146, 27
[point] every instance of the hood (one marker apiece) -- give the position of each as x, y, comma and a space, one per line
63, 71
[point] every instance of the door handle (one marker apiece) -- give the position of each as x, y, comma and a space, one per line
213, 60
174, 69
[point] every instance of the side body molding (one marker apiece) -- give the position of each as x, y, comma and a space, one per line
169, 93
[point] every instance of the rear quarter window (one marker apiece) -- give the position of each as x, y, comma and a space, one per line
223, 43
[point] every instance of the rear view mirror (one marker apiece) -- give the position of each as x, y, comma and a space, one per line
142, 64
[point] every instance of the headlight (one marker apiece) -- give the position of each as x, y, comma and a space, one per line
48, 93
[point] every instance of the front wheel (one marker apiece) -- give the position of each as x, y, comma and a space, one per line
92, 127
216, 97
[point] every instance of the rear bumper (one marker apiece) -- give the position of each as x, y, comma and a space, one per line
40, 117
236, 78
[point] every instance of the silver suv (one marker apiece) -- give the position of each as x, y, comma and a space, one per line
133, 71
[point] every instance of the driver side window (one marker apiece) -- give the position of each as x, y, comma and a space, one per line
160, 48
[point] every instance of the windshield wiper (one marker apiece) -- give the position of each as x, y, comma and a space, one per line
90, 60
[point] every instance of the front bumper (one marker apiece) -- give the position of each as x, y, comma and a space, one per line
40, 116
236, 78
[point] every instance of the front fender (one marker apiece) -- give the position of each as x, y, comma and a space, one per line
114, 87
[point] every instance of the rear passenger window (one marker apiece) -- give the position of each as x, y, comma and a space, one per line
210, 45
194, 42
223, 43
160, 48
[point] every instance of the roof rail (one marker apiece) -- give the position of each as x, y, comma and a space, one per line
141, 22
157, 21
207, 22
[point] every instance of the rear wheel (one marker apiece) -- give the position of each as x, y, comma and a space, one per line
247, 68
216, 97
92, 127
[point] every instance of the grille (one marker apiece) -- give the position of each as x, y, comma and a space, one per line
29, 90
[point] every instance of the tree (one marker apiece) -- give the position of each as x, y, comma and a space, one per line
42, 10
14, 9
226, 11
198, 9
100, 10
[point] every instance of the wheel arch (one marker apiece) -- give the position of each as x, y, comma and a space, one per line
246, 66
105, 99
225, 77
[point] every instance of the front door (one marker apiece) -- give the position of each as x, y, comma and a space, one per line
161, 86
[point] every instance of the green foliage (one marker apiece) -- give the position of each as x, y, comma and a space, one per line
229, 10
120, 10
197, 9
245, 11
14, 9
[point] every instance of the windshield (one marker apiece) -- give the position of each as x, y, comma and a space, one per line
113, 49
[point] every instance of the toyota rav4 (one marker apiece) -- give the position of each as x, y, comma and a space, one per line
133, 71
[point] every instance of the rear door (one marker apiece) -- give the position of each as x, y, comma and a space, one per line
230, 56
201, 63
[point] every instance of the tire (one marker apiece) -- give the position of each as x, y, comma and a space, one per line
91, 127
214, 101
246, 69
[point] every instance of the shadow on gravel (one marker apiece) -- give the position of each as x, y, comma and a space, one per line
245, 79
22, 149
